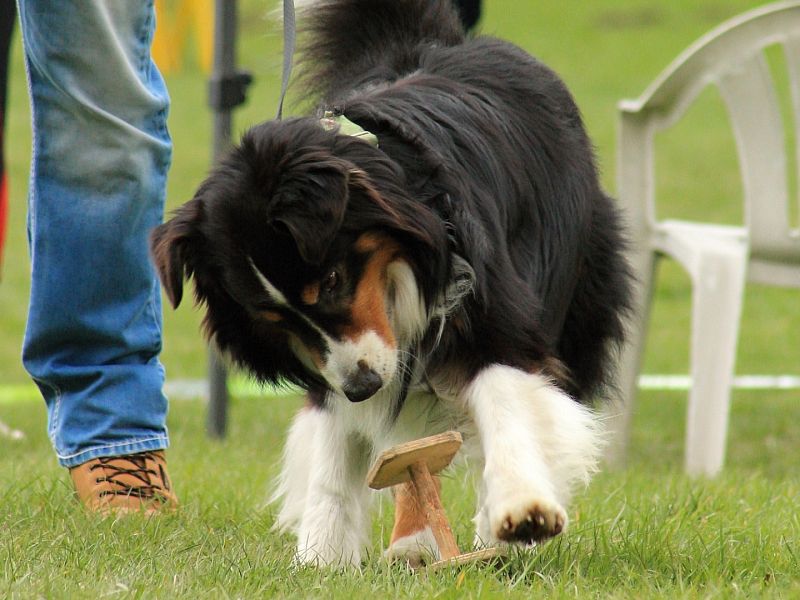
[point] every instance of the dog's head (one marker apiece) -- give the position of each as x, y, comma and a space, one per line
313, 262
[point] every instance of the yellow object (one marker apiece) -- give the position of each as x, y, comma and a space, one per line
175, 21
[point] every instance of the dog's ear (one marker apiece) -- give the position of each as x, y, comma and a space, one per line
311, 204
170, 246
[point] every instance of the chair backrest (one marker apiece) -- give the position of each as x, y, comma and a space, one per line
732, 57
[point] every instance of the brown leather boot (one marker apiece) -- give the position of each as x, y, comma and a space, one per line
125, 484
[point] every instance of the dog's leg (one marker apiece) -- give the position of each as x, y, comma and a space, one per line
291, 490
412, 539
537, 444
333, 524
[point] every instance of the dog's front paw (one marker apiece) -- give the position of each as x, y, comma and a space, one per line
527, 520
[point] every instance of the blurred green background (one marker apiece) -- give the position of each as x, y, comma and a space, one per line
605, 50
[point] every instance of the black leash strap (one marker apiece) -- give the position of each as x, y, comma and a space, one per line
289, 35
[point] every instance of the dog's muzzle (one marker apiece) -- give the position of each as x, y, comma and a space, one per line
362, 384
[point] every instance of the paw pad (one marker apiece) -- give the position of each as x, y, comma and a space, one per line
535, 525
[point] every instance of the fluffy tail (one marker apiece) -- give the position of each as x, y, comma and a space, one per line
352, 43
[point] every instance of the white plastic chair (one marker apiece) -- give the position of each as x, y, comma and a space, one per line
718, 258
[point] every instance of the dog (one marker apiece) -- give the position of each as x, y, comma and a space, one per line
434, 253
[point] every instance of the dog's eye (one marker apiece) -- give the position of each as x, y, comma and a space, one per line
330, 282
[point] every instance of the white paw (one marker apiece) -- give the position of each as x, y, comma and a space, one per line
525, 519
417, 549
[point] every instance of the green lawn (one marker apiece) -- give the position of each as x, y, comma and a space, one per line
645, 532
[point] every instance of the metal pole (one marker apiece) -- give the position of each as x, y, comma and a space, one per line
226, 90
223, 70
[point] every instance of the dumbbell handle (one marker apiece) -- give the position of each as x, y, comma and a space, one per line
431, 506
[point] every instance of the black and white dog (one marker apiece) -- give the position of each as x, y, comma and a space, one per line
465, 272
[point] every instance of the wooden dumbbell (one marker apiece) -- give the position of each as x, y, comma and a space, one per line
417, 462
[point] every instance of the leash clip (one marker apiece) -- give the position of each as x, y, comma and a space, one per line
345, 126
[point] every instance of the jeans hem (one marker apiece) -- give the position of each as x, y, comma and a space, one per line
119, 449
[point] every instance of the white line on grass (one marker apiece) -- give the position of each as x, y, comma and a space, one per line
742, 382
187, 389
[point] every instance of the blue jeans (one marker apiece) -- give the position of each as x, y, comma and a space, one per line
100, 159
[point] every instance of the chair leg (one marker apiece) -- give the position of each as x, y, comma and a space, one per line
618, 414
718, 289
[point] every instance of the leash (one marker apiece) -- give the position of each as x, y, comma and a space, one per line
329, 120
289, 36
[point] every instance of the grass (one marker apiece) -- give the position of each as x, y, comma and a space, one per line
646, 532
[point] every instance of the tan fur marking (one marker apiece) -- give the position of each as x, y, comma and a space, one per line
271, 316
316, 357
310, 294
369, 304
311, 354
408, 515
369, 242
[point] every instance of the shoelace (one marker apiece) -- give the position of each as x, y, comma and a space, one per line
147, 491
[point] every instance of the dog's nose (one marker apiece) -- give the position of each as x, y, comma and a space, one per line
362, 384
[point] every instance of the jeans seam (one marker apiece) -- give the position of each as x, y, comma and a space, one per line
162, 117
154, 315
145, 36
146, 67
54, 425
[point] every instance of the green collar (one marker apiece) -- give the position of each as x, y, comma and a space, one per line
345, 126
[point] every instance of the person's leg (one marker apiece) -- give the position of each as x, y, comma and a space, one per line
101, 154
